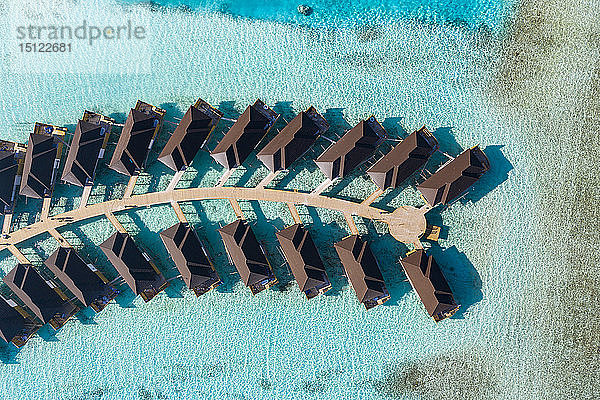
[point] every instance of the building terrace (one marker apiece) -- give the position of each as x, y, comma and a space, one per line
294, 140
427, 279
352, 149
404, 159
42, 160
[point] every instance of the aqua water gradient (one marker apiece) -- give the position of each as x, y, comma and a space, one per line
228, 344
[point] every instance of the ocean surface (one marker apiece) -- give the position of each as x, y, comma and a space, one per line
457, 67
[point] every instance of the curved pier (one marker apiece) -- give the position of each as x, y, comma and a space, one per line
406, 223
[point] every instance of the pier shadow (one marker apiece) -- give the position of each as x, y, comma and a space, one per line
48, 333
498, 173
447, 140
461, 275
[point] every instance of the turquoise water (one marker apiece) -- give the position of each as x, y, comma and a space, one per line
228, 344
477, 14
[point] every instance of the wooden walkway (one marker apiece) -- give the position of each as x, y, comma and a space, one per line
406, 224
87, 190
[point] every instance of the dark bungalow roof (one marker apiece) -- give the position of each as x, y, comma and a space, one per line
84, 151
454, 178
38, 169
245, 134
362, 270
12, 323
354, 148
427, 279
293, 140
191, 133
8, 172
36, 293
245, 252
189, 256
303, 258
135, 141
132, 265
77, 276
404, 160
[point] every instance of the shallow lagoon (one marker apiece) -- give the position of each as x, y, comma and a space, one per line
228, 344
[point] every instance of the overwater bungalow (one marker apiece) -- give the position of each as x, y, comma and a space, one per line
141, 127
42, 297
245, 134
294, 140
88, 284
190, 258
86, 148
304, 260
12, 157
191, 133
405, 159
455, 177
248, 256
354, 148
429, 282
362, 270
135, 266
15, 325
42, 160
